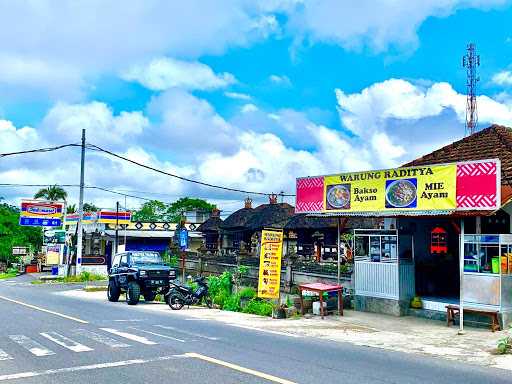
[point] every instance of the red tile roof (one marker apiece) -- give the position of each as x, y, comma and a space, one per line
489, 143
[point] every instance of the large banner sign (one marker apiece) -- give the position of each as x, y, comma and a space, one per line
41, 213
270, 263
445, 187
108, 217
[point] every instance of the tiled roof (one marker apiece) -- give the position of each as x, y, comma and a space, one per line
489, 143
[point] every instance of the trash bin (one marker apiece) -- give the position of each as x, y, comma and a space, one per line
55, 270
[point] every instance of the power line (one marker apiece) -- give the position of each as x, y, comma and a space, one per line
39, 150
95, 147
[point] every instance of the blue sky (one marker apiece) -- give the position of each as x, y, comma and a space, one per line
246, 94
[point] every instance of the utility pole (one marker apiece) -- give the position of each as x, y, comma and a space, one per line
80, 208
117, 225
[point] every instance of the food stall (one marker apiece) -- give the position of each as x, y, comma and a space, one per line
487, 279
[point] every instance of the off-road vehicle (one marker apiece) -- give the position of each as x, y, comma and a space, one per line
138, 273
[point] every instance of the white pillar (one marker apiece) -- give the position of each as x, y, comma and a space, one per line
461, 278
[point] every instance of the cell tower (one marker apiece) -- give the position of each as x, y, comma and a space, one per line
470, 61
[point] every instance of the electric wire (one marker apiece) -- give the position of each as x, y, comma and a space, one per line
39, 150
95, 147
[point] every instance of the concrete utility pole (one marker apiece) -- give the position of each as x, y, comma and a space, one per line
117, 226
80, 208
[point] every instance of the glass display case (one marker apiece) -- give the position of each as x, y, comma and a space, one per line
376, 245
487, 271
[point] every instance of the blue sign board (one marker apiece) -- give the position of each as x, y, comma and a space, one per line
183, 239
40, 222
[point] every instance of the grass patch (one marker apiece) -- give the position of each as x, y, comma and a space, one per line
37, 282
7, 275
95, 289
84, 277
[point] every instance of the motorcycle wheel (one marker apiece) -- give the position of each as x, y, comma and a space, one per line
209, 302
176, 302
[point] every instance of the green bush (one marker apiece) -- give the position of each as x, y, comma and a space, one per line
232, 303
259, 307
504, 345
247, 293
220, 285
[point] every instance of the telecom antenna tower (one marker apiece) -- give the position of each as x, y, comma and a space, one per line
470, 61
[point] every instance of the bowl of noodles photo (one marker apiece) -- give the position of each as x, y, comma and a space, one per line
401, 193
338, 196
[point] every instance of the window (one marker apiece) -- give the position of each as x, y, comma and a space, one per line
482, 253
146, 257
124, 260
376, 246
116, 261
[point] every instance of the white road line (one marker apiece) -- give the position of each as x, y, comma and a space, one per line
4, 356
24, 375
66, 342
264, 330
238, 368
103, 339
44, 310
129, 336
186, 332
30, 345
159, 334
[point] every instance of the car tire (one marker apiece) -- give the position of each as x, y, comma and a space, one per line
133, 293
149, 296
113, 291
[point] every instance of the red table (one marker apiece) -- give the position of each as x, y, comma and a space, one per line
321, 288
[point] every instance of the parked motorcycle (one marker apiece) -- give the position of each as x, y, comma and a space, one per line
180, 295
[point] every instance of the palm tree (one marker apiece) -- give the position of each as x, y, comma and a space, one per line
52, 193
71, 208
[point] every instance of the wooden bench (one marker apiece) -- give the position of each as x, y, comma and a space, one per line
453, 310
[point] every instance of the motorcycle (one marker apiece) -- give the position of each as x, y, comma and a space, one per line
180, 295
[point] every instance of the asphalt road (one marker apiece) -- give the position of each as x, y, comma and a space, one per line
116, 343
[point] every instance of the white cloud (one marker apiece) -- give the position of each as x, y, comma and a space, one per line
248, 108
280, 80
502, 78
373, 23
164, 73
238, 96
66, 121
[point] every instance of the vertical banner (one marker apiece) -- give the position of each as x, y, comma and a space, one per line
270, 263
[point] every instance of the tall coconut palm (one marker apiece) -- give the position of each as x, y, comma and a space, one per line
52, 193
71, 208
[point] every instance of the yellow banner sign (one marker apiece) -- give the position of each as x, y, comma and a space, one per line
270, 264
418, 188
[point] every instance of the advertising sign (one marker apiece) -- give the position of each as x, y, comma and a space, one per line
270, 263
183, 239
54, 236
41, 213
109, 217
54, 253
445, 187
88, 218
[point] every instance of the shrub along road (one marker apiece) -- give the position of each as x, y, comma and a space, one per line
48, 338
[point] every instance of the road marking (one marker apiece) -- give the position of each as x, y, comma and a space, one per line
30, 345
44, 310
4, 356
235, 367
186, 332
264, 330
24, 375
66, 342
103, 339
129, 336
159, 334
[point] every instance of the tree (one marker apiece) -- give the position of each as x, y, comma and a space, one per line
179, 207
89, 207
71, 208
52, 193
12, 234
155, 210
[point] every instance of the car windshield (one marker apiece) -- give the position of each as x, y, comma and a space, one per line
146, 258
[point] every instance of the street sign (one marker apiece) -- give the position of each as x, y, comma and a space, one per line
183, 239
40, 222
52, 236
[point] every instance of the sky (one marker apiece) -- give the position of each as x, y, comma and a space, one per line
246, 94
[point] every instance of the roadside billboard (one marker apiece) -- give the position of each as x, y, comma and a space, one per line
109, 217
270, 263
41, 213
471, 185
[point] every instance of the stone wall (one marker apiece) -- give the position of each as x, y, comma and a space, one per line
379, 305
